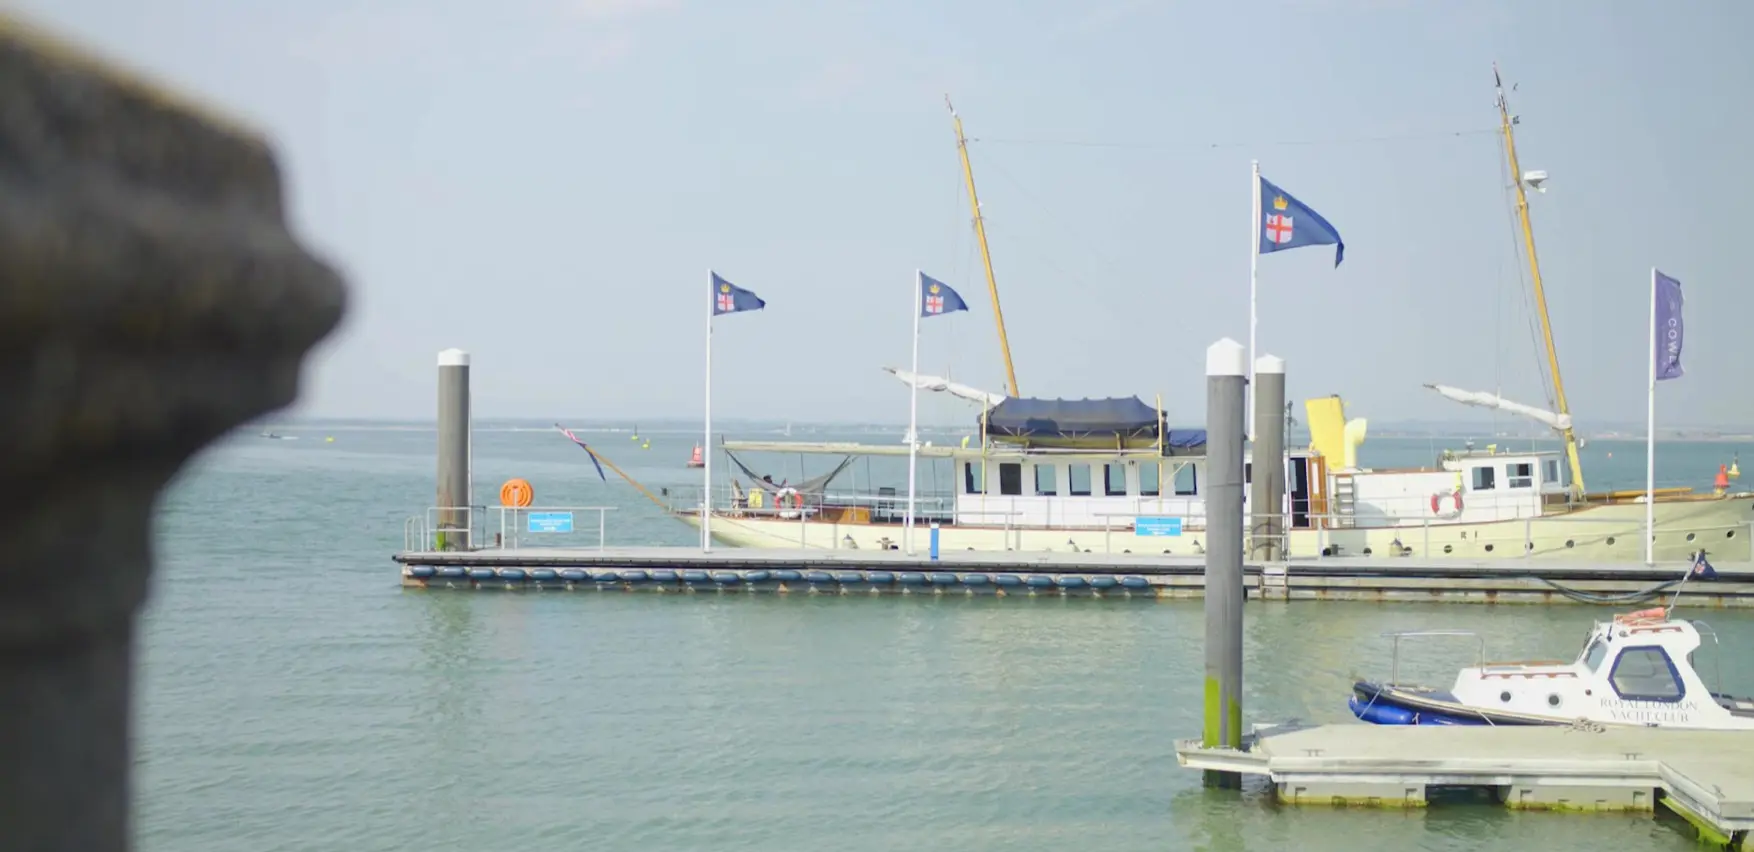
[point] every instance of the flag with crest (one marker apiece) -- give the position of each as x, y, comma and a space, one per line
1287, 223
937, 298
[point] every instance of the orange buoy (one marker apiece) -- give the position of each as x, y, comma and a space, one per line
516, 492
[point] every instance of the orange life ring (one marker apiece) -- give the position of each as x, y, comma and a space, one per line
788, 500
1437, 503
516, 492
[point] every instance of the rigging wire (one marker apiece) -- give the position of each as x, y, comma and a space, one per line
1208, 146
1525, 288
1047, 212
962, 266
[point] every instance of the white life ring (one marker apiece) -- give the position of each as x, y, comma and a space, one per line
789, 503
1454, 498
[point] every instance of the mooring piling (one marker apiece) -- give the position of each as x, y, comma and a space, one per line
1267, 478
1226, 369
454, 439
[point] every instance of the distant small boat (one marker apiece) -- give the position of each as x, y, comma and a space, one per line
277, 437
698, 459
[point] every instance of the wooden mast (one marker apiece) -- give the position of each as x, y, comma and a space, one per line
1522, 209
980, 232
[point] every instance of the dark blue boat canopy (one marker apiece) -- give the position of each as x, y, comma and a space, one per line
1111, 423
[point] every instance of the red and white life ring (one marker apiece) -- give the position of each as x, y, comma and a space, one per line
1453, 497
789, 503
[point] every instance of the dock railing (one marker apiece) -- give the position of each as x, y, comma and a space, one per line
510, 526
1527, 537
427, 531
550, 526
1301, 535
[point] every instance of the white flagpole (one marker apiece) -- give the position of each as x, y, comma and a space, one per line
913, 417
1650, 445
1254, 262
706, 455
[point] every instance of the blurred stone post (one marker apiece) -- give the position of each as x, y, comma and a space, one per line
151, 299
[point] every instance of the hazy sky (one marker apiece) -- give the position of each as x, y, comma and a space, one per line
545, 183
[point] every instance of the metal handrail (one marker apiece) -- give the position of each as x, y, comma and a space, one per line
430, 526
513, 512
1398, 635
1717, 657
1409, 540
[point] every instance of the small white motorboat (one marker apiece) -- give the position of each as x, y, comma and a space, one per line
1636, 670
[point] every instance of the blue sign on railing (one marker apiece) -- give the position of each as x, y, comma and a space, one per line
1150, 526
550, 522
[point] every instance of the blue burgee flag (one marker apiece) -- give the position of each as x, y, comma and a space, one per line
1287, 224
937, 298
1702, 568
1666, 293
729, 298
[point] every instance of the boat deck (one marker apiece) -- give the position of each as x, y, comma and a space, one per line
1703, 776
1097, 574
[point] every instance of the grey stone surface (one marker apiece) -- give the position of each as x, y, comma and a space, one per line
151, 299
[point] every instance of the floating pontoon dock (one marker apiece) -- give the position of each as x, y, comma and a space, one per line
689, 569
1703, 776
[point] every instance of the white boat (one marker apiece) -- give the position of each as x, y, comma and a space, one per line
1636, 670
1112, 474
1023, 485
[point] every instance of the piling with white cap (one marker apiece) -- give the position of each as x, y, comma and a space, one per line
1226, 390
453, 450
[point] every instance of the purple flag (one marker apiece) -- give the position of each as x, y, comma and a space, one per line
1667, 296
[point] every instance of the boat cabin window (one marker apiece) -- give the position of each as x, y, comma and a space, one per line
1044, 480
1484, 478
974, 480
1186, 481
1550, 471
1646, 674
1594, 654
1011, 478
1114, 480
1078, 480
1522, 474
1150, 475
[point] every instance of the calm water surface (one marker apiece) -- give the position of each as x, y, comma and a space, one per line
293, 697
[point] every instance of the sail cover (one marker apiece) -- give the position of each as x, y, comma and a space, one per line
812, 487
943, 385
1112, 423
1481, 399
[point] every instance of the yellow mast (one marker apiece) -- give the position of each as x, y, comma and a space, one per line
1522, 209
980, 232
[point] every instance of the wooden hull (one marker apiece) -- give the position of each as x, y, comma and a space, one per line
1610, 533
